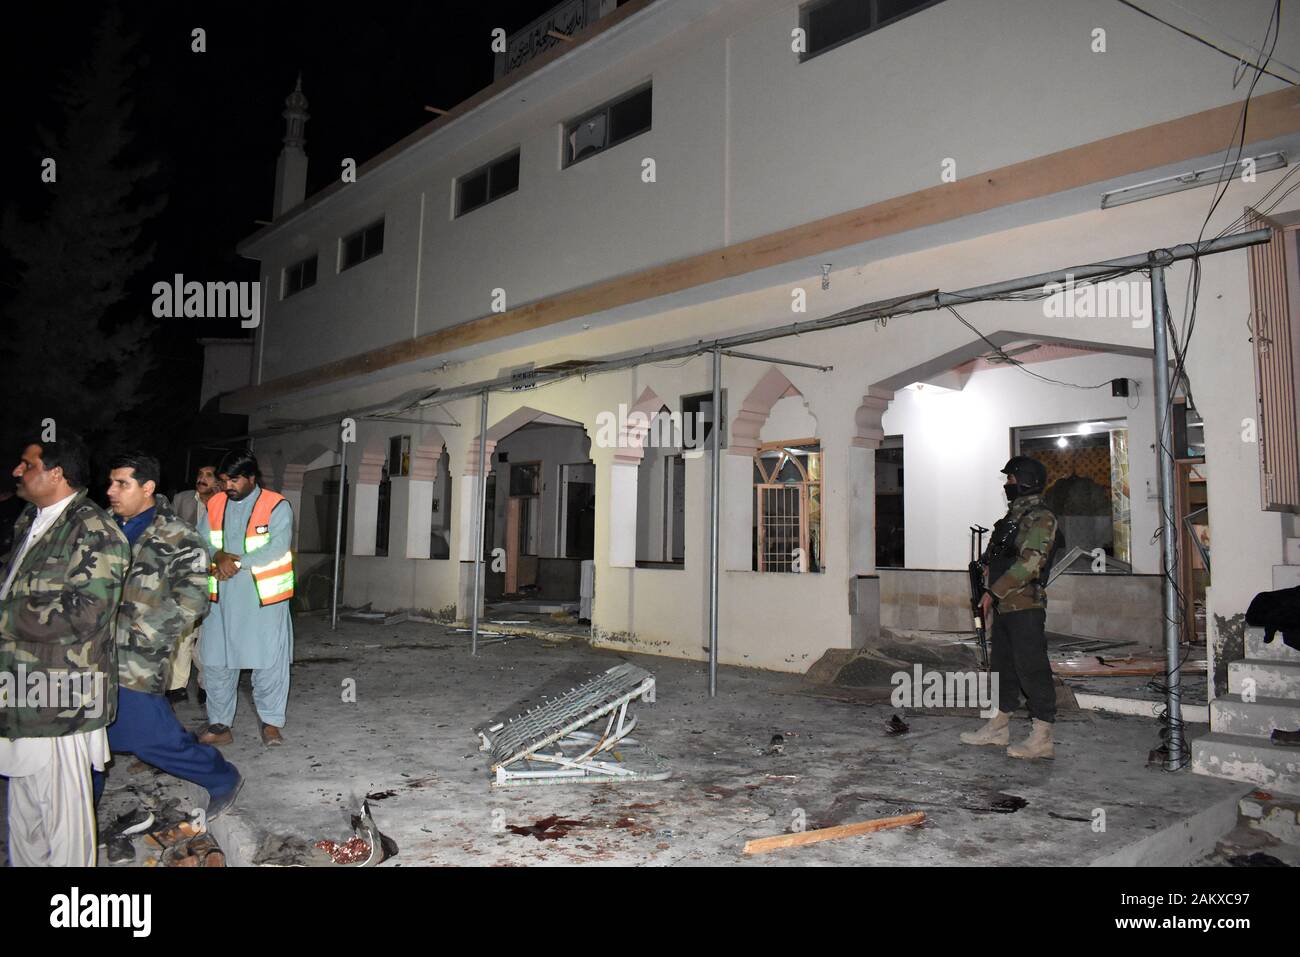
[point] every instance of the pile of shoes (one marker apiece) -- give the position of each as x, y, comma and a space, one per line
118, 837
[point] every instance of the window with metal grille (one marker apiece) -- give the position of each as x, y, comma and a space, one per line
787, 507
1274, 297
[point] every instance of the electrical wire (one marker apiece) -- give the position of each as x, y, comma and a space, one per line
1013, 361
1200, 39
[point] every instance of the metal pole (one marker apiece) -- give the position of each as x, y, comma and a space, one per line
1169, 527
714, 496
927, 301
781, 362
480, 519
884, 309
338, 529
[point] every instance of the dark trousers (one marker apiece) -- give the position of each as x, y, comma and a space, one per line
147, 728
1020, 660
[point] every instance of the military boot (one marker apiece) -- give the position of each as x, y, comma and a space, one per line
1037, 745
996, 731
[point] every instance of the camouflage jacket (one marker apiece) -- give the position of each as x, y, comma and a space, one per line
1020, 549
166, 594
58, 664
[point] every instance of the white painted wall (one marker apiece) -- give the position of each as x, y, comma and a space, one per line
746, 140
227, 366
765, 618
955, 443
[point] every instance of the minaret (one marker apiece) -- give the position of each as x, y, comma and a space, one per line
291, 167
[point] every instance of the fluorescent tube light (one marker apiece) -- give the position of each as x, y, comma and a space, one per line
1191, 180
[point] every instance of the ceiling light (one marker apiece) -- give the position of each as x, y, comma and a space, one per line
1190, 180
1062, 443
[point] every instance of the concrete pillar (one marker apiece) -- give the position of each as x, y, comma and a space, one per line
291, 489
419, 519
737, 521
861, 510
365, 517
622, 495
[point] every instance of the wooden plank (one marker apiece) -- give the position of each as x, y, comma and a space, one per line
1096, 667
1161, 144
764, 844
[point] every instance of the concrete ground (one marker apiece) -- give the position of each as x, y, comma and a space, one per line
418, 694
408, 740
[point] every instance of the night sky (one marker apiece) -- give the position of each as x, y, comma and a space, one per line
212, 120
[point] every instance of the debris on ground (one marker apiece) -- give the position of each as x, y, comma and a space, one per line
1006, 804
799, 839
1257, 859
897, 725
776, 745
367, 847
201, 850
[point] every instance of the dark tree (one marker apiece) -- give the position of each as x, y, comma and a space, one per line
73, 349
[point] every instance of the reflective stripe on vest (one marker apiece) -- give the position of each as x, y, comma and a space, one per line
273, 579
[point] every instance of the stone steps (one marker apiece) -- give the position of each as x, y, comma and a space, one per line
1259, 718
1272, 678
1275, 650
1240, 757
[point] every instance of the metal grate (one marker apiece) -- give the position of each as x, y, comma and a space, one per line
554, 718
1274, 340
781, 522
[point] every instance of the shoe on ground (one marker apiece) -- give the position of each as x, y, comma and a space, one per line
132, 822
120, 849
271, 735
1285, 739
1037, 745
997, 730
178, 694
217, 804
217, 734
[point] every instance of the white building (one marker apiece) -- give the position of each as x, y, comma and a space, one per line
684, 170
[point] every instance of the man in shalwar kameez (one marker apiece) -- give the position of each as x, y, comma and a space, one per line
249, 531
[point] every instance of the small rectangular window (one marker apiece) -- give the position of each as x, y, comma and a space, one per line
496, 179
299, 276
363, 244
831, 23
615, 122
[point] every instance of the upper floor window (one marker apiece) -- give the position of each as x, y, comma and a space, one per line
613, 123
362, 245
299, 276
496, 179
830, 23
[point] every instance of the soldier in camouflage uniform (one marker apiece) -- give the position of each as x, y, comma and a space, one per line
59, 594
166, 593
1018, 560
